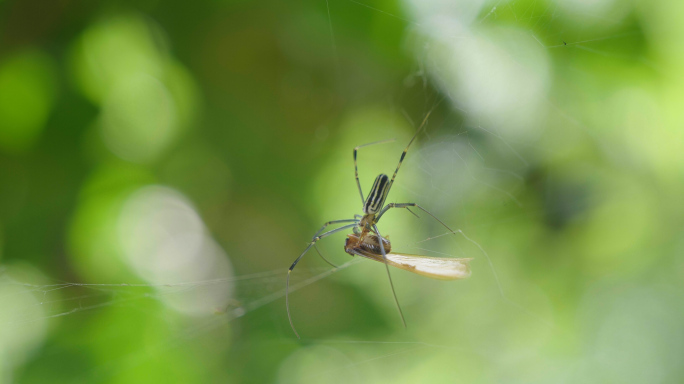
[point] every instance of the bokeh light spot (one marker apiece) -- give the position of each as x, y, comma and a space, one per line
23, 324
93, 244
27, 88
114, 49
122, 64
165, 242
317, 364
139, 119
498, 77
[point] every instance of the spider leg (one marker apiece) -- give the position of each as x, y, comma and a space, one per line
323, 257
407, 205
356, 169
335, 222
384, 258
316, 237
321, 230
489, 260
414, 214
401, 159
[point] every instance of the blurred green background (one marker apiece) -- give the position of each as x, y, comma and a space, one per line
163, 163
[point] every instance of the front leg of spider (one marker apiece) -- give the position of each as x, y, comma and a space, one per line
315, 239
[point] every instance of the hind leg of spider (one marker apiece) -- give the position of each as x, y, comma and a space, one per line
489, 260
323, 257
324, 226
317, 237
407, 205
384, 258
356, 169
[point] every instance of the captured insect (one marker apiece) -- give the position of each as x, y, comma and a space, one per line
367, 242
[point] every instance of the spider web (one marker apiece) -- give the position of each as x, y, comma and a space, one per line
466, 159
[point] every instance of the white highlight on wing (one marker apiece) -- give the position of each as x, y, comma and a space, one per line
435, 267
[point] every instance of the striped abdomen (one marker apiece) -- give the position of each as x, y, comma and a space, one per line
377, 195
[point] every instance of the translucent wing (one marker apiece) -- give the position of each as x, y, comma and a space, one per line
435, 267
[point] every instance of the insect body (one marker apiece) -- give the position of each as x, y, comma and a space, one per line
441, 268
366, 241
370, 243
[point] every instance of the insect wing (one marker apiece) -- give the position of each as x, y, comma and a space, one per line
434, 267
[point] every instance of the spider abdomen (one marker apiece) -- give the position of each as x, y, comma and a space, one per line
378, 194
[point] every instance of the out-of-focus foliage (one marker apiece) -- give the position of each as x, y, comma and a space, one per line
163, 163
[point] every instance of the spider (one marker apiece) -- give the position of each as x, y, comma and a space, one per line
367, 242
